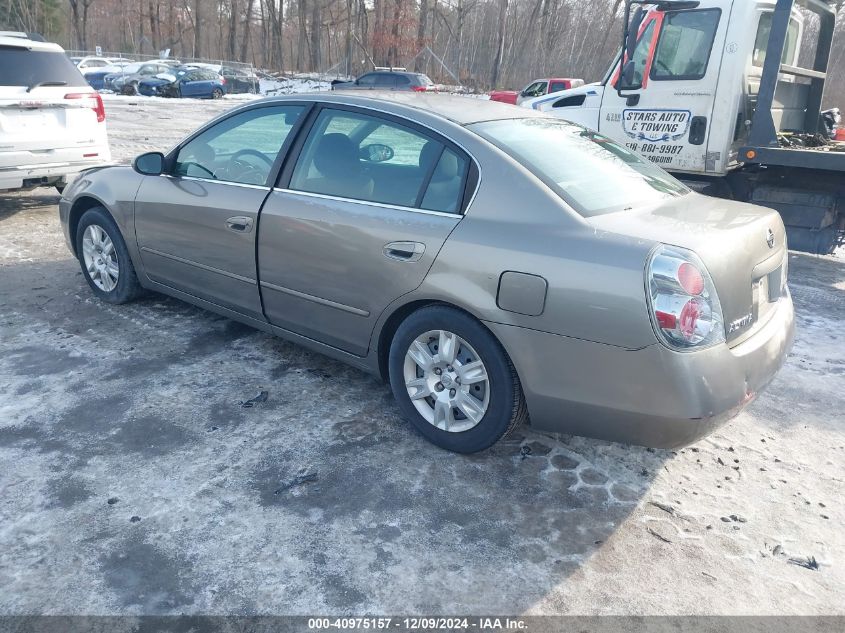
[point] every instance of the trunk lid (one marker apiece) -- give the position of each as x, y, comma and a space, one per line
743, 247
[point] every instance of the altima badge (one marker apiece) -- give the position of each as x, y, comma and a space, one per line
770, 238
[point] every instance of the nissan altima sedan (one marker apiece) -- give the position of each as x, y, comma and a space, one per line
495, 266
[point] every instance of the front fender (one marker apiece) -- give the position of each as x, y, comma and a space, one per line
112, 187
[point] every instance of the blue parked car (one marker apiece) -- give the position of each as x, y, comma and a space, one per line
96, 77
199, 83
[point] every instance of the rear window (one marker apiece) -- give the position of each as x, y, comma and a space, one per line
23, 67
593, 174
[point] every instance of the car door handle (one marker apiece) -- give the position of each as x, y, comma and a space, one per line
239, 224
404, 251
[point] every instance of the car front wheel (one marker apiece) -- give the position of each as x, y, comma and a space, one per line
453, 380
104, 258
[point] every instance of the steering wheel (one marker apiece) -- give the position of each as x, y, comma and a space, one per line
242, 170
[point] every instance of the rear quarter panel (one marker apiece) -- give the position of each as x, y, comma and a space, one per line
596, 287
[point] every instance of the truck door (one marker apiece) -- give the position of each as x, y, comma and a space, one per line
666, 114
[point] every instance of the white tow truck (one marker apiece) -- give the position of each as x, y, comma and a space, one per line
712, 91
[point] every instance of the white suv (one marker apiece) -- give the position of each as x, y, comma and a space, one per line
52, 123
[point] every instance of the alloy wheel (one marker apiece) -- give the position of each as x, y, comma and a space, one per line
100, 258
447, 381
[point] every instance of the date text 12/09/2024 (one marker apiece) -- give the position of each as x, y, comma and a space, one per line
418, 624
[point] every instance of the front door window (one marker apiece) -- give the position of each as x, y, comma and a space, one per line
240, 149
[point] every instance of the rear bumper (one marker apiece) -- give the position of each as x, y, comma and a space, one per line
652, 396
26, 169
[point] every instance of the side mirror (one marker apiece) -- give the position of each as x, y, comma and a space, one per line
629, 47
633, 31
626, 79
149, 164
376, 153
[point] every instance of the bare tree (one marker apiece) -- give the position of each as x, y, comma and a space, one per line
500, 39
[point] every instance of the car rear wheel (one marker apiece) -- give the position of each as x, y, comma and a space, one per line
105, 259
453, 380
217, 93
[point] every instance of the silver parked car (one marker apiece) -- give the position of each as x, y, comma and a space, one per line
494, 265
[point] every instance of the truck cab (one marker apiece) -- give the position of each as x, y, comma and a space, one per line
684, 92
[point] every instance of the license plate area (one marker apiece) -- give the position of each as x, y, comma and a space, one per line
766, 292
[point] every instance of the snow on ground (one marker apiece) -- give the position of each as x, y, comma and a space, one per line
133, 481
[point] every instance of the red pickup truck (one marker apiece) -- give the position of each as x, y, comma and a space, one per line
536, 88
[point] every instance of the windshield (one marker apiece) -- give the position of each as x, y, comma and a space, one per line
23, 67
590, 172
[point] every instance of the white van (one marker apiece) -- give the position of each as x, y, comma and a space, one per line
52, 123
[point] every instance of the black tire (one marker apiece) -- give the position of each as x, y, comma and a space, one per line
217, 93
506, 409
127, 287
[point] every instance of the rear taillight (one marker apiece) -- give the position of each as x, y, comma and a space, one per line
419, 88
223, 80
95, 100
683, 303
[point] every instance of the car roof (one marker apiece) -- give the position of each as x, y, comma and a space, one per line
458, 109
33, 45
407, 73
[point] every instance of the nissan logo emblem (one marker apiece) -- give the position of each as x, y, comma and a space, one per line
770, 238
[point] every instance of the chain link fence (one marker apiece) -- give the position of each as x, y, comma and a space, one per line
133, 57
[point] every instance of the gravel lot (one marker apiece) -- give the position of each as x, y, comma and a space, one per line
132, 479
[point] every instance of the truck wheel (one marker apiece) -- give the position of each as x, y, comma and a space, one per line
105, 259
453, 380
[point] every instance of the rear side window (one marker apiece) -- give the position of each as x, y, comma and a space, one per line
22, 67
761, 43
363, 157
683, 49
557, 86
385, 81
446, 187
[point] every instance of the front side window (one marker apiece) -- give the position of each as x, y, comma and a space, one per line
761, 42
683, 49
593, 174
363, 157
241, 149
367, 80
